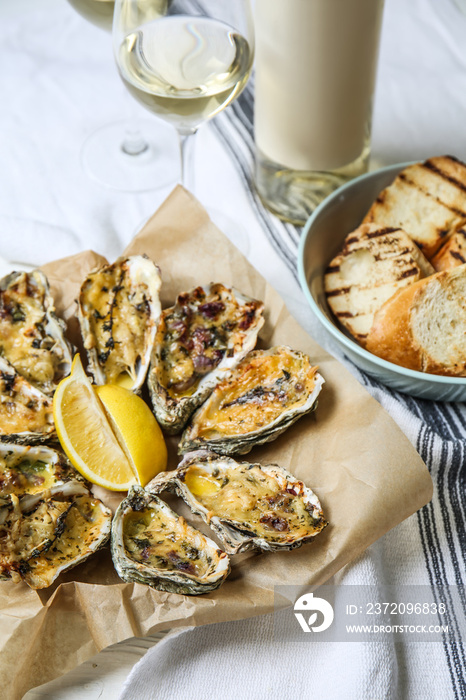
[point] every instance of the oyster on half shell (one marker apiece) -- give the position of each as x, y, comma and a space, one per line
26, 414
31, 334
198, 340
118, 311
249, 506
44, 534
27, 469
256, 402
153, 545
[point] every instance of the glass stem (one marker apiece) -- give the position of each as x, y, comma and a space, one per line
187, 142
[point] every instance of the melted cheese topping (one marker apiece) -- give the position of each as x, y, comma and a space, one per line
21, 474
254, 501
263, 386
195, 335
82, 531
154, 539
119, 316
23, 337
22, 410
27, 534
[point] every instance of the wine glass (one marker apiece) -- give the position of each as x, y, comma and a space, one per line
99, 12
185, 60
125, 155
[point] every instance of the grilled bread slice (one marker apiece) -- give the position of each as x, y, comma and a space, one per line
375, 262
453, 251
423, 327
427, 200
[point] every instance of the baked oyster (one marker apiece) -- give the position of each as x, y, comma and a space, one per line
257, 401
31, 334
249, 506
32, 469
26, 414
203, 335
44, 534
118, 311
153, 545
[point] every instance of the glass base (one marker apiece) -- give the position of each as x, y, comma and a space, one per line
133, 155
292, 195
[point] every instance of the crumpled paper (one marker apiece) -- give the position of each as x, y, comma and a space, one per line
349, 451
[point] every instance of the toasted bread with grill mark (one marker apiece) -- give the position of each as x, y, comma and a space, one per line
423, 327
427, 200
375, 262
453, 251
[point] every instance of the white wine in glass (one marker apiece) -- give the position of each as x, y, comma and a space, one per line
99, 12
185, 60
126, 155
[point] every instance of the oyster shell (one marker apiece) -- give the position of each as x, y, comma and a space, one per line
118, 311
30, 470
25, 412
153, 545
249, 506
31, 335
205, 334
256, 402
44, 534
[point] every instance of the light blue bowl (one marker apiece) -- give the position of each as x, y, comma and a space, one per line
321, 240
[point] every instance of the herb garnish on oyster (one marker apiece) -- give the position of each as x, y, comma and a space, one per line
205, 334
44, 534
151, 544
256, 402
249, 506
32, 469
31, 335
119, 308
25, 412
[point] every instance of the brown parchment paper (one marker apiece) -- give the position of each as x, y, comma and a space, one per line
364, 470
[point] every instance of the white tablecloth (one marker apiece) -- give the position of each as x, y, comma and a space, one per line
59, 84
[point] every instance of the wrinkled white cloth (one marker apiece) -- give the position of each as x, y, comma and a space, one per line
59, 84
245, 659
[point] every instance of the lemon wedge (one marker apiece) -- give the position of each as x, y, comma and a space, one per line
114, 445
138, 432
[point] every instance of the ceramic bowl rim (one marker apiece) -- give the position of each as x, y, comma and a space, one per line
352, 345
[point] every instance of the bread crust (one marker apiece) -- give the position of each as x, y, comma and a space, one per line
390, 337
452, 253
434, 308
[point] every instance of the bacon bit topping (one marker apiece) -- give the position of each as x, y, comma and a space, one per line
203, 364
201, 339
179, 327
279, 524
248, 319
280, 500
180, 563
212, 309
145, 553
